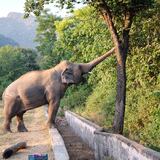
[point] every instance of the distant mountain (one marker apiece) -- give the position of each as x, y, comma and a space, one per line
21, 30
7, 41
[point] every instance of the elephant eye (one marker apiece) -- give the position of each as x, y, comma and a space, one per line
82, 74
69, 71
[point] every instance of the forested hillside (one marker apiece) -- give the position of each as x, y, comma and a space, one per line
81, 38
20, 30
7, 41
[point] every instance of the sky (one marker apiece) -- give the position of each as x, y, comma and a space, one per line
7, 6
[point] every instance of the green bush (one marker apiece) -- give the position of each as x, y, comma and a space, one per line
76, 96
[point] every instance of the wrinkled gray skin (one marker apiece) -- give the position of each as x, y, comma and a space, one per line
37, 88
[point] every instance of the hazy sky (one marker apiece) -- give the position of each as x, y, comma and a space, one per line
7, 6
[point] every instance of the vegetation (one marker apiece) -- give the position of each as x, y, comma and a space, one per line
81, 38
13, 63
81, 42
113, 12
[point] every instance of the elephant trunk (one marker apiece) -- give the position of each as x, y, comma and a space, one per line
89, 66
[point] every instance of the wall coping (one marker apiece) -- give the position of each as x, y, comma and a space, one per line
140, 148
98, 128
98, 131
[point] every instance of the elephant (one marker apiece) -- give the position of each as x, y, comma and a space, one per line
37, 88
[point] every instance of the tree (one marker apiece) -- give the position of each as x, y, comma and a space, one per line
45, 33
13, 63
112, 11
46, 37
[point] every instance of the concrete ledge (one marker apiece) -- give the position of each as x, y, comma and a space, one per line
108, 145
82, 127
67, 113
119, 147
58, 146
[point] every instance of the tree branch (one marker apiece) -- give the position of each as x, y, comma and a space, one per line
127, 26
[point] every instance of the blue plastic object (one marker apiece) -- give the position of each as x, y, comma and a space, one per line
38, 157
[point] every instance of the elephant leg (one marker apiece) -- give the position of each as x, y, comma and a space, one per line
8, 113
7, 123
20, 123
52, 112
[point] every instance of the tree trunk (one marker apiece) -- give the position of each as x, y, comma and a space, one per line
121, 72
118, 122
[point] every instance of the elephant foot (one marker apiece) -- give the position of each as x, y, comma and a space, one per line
51, 125
6, 130
22, 129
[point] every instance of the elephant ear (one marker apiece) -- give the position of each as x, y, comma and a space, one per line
67, 76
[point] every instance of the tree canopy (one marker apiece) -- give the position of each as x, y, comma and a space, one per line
13, 63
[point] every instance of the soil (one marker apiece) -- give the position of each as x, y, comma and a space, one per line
37, 138
76, 148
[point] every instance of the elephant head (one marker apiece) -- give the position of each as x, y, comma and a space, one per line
73, 73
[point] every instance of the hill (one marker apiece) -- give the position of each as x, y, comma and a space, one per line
7, 41
20, 30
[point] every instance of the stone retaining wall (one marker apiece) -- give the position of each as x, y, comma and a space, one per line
107, 145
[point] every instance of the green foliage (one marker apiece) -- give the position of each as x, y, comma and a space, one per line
46, 37
142, 118
83, 37
76, 96
144, 96
99, 106
78, 35
13, 63
45, 33
116, 7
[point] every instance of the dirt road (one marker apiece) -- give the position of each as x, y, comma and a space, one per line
37, 138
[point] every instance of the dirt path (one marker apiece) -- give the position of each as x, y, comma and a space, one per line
77, 150
37, 138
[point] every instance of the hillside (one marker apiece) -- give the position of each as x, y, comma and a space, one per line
20, 30
7, 41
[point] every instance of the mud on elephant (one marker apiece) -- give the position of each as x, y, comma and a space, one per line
37, 88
